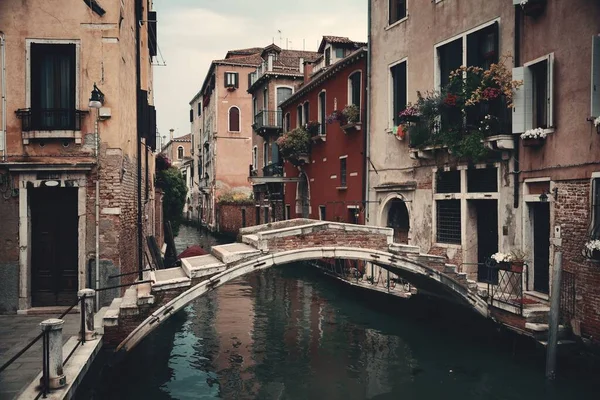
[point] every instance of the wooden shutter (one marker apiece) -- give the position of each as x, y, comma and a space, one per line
551, 90
518, 118
152, 37
192, 115
237, 80
595, 95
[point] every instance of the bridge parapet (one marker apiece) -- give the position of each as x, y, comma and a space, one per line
300, 234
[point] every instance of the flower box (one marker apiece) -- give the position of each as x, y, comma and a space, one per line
533, 142
500, 142
409, 118
351, 127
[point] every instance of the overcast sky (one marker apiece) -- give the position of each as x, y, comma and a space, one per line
192, 33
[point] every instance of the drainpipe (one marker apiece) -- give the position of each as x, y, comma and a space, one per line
367, 147
138, 19
517, 61
97, 284
3, 81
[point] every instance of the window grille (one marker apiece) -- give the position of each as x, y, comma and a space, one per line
448, 221
448, 182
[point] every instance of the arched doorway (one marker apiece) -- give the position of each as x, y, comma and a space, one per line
303, 196
398, 219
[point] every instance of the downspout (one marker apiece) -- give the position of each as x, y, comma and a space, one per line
138, 68
97, 284
517, 62
3, 81
367, 146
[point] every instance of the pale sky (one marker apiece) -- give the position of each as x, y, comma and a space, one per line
192, 33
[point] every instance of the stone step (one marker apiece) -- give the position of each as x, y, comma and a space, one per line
99, 319
144, 294
472, 285
230, 253
541, 330
561, 343
111, 316
170, 278
537, 314
399, 248
461, 277
200, 266
129, 304
251, 240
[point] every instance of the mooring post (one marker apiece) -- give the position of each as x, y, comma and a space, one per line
86, 297
52, 350
553, 318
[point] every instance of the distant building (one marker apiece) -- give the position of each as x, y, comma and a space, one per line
329, 183
178, 149
273, 82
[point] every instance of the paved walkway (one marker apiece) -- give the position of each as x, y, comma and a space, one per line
16, 331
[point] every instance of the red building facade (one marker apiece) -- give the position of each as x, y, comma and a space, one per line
329, 184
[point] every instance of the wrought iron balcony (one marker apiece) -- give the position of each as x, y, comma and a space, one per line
50, 119
268, 121
317, 131
273, 170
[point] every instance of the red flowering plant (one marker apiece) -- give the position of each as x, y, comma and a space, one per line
294, 143
312, 127
474, 104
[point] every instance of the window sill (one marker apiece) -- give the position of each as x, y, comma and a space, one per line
446, 245
342, 187
31, 135
400, 21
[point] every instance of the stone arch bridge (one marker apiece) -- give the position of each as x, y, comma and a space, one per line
144, 307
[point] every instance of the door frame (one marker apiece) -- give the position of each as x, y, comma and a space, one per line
29, 180
529, 200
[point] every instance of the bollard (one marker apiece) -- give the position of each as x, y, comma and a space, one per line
53, 354
87, 314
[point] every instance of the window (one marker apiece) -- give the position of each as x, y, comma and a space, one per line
254, 106
231, 80
533, 102
595, 228
339, 53
447, 181
481, 180
254, 157
322, 213
257, 215
53, 87
328, 56
180, 153
448, 221
265, 99
234, 119
192, 115
398, 75
265, 154
354, 86
343, 172
397, 10
322, 113
199, 109
243, 217
299, 117
288, 211
595, 87
306, 117
288, 122
266, 214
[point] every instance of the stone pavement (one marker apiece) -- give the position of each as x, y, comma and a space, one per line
16, 331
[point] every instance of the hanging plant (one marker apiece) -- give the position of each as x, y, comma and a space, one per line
294, 143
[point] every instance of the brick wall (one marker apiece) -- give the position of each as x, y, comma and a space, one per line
230, 217
572, 213
329, 238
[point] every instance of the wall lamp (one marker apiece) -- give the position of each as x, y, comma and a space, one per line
97, 98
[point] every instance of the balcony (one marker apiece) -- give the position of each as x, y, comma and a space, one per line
268, 122
273, 170
272, 173
46, 123
257, 74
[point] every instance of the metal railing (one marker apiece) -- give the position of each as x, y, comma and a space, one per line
268, 119
504, 284
50, 119
273, 170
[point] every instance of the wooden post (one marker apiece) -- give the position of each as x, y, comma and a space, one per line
553, 318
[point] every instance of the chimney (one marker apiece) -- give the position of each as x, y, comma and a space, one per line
301, 65
171, 131
308, 68
270, 62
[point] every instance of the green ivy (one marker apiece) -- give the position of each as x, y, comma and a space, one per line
175, 190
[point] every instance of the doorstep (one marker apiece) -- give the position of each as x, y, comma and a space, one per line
541, 297
54, 310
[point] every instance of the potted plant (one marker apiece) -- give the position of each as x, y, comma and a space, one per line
512, 261
502, 259
337, 116
399, 132
592, 250
409, 114
534, 137
294, 145
313, 127
352, 113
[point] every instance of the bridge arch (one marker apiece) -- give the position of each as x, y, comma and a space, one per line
414, 271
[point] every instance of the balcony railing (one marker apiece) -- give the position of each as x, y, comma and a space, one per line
257, 74
46, 119
267, 119
273, 170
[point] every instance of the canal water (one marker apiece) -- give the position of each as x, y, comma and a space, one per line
291, 333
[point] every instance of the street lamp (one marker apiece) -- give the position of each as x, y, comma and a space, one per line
97, 98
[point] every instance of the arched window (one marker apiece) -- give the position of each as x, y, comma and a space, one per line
234, 119
180, 153
354, 83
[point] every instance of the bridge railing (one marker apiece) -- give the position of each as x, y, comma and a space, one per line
505, 282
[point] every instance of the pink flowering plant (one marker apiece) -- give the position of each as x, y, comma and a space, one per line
294, 143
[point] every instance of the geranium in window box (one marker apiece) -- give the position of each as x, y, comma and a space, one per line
591, 250
409, 114
534, 137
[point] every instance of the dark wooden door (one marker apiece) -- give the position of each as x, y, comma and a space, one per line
487, 238
54, 237
541, 247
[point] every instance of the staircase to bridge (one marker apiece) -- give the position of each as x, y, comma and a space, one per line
145, 306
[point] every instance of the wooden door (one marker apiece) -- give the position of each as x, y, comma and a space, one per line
487, 238
54, 237
541, 247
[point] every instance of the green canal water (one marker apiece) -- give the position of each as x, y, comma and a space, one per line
291, 333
